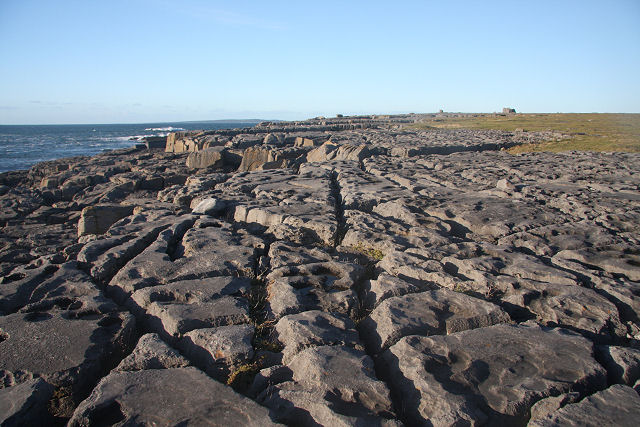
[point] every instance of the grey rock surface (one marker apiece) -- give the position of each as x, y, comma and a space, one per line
546, 406
69, 353
340, 271
618, 405
26, 404
622, 363
492, 374
98, 219
315, 328
209, 206
152, 353
184, 396
219, 351
437, 312
331, 385
213, 157
328, 286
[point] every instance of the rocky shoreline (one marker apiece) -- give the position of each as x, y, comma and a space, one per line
345, 271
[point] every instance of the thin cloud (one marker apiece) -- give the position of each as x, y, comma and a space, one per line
210, 14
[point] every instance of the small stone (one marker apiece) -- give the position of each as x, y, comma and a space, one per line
505, 185
210, 206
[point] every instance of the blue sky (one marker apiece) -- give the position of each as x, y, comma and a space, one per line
166, 60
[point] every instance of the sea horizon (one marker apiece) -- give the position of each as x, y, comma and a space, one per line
22, 146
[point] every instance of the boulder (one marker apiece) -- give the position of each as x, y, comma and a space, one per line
155, 142
332, 151
268, 157
209, 206
97, 219
214, 157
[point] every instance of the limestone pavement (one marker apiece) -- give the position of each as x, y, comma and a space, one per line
343, 271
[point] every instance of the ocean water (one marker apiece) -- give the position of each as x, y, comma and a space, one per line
25, 145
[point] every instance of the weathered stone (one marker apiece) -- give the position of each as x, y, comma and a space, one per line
296, 332
572, 306
67, 289
544, 407
184, 253
98, 219
209, 206
214, 157
436, 312
505, 185
107, 255
332, 385
219, 351
268, 157
612, 261
152, 353
175, 319
623, 364
178, 396
492, 374
332, 151
66, 352
386, 286
188, 292
283, 254
548, 237
327, 286
26, 404
618, 405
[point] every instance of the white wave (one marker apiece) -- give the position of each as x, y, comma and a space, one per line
166, 129
137, 137
125, 138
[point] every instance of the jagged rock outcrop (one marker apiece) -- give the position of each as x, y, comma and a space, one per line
98, 219
268, 157
214, 157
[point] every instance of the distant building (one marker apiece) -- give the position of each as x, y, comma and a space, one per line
507, 110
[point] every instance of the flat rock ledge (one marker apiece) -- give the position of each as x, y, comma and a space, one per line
347, 271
